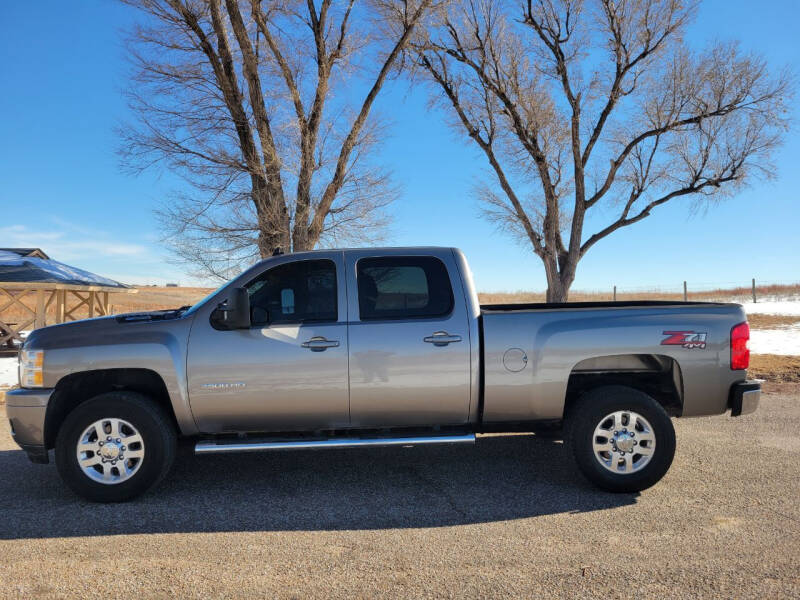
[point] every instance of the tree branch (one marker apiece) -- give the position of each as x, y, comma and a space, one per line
344, 155
623, 221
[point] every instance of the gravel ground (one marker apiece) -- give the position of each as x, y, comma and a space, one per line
510, 517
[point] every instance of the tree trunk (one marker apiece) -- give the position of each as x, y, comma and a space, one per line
557, 291
557, 287
268, 242
300, 239
273, 219
559, 280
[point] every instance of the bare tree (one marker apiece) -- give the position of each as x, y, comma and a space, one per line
238, 98
582, 105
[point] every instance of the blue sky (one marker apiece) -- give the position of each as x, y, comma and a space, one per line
61, 187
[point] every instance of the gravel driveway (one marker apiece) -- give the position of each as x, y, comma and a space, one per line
509, 517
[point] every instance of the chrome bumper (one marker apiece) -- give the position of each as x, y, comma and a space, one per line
26, 410
744, 397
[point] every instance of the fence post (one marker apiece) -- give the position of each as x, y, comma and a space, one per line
615, 293
685, 293
754, 290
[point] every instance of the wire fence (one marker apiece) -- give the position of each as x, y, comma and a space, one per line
750, 291
732, 291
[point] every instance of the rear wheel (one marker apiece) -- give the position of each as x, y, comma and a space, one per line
622, 439
115, 447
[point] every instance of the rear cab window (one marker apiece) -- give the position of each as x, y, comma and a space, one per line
403, 287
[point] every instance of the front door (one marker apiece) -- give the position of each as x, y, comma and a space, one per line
289, 370
409, 341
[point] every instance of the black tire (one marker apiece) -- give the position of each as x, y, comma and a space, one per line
154, 426
587, 413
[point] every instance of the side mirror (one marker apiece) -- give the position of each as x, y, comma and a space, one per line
234, 313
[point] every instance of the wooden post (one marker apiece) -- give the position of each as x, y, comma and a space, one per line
685, 293
92, 299
754, 290
615, 293
61, 300
40, 318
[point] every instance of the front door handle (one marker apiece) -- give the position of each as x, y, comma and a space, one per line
320, 344
441, 338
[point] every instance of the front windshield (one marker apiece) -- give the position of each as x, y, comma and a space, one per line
197, 305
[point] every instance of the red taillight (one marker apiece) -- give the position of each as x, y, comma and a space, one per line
740, 347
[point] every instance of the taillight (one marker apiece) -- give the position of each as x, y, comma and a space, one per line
740, 346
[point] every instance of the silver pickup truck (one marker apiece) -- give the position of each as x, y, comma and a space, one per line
372, 347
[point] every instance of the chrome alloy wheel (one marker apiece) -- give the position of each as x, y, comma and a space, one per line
623, 442
110, 451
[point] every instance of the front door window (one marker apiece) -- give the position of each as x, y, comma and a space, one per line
294, 293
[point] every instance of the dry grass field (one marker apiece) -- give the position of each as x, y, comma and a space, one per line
759, 321
156, 298
775, 368
145, 298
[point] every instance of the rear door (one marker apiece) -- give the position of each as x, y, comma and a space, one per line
409, 340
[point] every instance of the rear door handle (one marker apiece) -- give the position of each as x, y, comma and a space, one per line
320, 344
441, 338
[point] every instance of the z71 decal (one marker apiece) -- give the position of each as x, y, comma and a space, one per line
687, 339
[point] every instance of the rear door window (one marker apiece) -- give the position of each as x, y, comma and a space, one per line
403, 287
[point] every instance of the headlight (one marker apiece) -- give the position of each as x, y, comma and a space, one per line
31, 363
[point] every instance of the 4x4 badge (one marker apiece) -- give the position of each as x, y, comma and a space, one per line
687, 339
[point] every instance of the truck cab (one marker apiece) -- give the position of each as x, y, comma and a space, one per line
337, 340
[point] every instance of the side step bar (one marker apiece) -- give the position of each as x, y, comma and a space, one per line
213, 447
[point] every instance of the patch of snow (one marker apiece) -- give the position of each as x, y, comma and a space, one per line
781, 307
776, 341
8, 372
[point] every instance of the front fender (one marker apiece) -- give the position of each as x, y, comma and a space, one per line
159, 347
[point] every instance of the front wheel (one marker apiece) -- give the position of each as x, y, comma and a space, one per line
115, 447
623, 440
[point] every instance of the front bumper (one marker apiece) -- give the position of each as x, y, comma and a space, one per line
744, 397
26, 410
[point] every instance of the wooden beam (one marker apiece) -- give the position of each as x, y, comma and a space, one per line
36, 285
84, 301
41, 315
95, 298
16, 299
11, 332
50, 299
61, 296
102, 303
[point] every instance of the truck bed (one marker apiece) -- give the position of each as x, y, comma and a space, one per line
531, 352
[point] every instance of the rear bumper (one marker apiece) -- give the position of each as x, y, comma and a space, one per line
744, 397
26, 410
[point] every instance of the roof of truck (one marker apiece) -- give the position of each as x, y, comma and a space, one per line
388, 249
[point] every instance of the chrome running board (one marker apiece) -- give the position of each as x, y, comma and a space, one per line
214, 447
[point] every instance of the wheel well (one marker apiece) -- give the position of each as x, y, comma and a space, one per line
77, 388
656, 375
